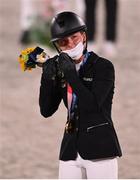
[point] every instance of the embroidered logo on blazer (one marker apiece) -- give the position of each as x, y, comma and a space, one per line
87, 79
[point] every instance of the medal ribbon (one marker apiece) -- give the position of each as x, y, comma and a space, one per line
71, 97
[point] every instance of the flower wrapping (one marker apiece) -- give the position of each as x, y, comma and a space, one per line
30, 57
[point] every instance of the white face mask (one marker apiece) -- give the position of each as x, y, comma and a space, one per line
76, 52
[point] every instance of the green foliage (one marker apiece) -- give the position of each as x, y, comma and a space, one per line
40, 32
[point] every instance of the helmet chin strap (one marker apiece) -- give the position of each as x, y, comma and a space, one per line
85, 50
56, 48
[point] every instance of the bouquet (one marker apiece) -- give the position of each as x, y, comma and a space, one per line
30, 57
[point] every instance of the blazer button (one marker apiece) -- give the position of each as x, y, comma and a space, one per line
77, 117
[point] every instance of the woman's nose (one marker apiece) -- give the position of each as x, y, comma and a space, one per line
70, 44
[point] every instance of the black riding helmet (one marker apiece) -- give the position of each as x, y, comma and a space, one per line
65, 24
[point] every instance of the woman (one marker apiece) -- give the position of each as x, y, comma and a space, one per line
85, 82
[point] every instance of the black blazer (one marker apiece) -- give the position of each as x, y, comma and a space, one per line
95, 136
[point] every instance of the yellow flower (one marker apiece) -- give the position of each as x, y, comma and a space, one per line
23, 58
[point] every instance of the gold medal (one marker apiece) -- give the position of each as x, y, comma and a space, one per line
69, 127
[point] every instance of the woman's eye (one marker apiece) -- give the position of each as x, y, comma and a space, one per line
62, 42
74, 37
